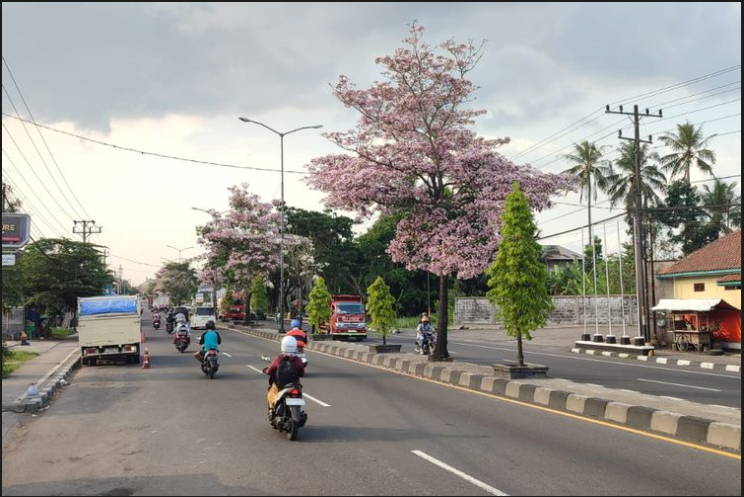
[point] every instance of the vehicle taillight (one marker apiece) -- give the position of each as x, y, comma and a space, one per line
295, 393
212, 352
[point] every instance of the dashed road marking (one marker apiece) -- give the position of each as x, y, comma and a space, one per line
436, 462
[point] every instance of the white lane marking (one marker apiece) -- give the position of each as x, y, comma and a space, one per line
672, 398
227, 355
679, 385
708, 365
618, 363
309, 397
319, 402
483, 486
734, 369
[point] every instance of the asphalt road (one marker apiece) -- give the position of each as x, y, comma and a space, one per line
118, 430
695, 385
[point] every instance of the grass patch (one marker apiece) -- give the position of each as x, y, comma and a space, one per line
61, 333
15, 360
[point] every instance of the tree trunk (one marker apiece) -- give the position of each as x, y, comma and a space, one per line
247, 317
520, 350
441, 354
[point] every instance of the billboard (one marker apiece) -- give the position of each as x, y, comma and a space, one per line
16, 230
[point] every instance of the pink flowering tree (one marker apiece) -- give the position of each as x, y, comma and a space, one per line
413, 153
242, 243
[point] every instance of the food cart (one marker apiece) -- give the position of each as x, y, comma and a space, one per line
693, 323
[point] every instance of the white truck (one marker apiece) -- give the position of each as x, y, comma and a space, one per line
109, 328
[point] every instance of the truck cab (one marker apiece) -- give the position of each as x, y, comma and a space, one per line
348, 318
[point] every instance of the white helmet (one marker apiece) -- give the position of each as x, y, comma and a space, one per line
181, 318
289, 346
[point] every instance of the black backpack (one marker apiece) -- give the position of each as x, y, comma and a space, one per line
288, 373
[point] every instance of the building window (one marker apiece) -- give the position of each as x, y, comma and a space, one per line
699, 287
733, 287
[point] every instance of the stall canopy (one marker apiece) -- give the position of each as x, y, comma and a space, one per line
726, 317
693, 305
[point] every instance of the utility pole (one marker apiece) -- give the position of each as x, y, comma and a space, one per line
88, 228
638, 225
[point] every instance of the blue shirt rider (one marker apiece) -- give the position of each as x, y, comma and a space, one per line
211, 339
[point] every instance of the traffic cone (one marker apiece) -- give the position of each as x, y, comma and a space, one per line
146, 360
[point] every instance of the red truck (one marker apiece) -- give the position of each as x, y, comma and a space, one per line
236, 312
348, 318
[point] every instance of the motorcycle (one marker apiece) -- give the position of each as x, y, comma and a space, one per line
183, 340
428, 346
156, 324
170, 327
288, 416
210, 364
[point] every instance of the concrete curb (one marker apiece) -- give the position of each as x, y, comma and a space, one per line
48, 388
685, 363
687, 428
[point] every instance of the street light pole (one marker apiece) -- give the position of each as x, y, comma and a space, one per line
283, 221
180, 251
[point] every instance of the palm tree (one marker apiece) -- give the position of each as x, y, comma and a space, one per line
688, 147
592, 171
720, 202
621, 184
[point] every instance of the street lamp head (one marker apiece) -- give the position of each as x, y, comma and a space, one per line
319, 126
245, 119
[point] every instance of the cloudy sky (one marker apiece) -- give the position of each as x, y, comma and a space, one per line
173, 79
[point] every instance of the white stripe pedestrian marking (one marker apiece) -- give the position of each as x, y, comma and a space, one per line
617, 363
734, 369
319, 402
679, 385
662, 360
227, 355
708, 365
684, 363
483, 486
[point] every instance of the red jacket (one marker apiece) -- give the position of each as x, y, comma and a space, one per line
300, 335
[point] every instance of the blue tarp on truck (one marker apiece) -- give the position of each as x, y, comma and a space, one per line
108, 305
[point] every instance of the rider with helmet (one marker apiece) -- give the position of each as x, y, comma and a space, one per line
210, 340
286, 369
298, 333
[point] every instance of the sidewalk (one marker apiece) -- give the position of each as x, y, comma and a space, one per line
564, 339
51, 354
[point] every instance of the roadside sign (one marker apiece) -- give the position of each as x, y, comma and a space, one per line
199, 298
9, 260
16, 231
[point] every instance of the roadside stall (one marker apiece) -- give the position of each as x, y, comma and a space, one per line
698, 324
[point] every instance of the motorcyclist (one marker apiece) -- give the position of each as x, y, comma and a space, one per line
298, 333
423, 330
286, 369
210, 340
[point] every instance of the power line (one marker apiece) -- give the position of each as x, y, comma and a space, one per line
585, 120
155, 154
54, 198
583, 227
26, 206
38, 152
46, 145
48, 210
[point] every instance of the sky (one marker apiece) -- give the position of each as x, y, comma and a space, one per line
173, 78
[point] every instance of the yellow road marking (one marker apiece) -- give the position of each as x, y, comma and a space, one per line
646, 434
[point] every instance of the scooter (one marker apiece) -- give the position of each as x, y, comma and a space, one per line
169, 327
210, 364
183, 340
156, 324
429, 345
